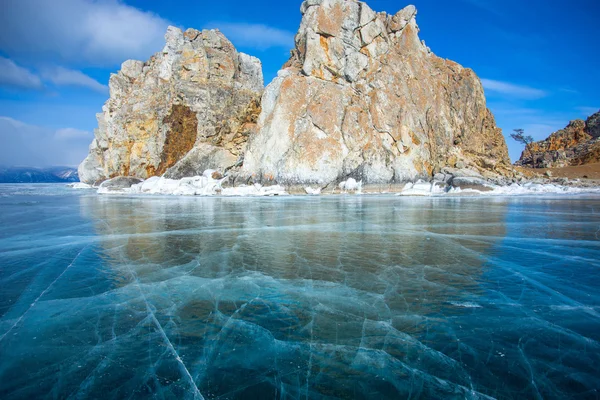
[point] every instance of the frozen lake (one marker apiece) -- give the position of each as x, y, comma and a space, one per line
298, 297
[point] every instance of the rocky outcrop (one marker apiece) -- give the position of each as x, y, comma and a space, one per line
362, 97
577, 144
119, 183
189, 108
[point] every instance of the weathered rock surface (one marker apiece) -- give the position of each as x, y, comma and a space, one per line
362, 97
120, 183
195, 102
577, 144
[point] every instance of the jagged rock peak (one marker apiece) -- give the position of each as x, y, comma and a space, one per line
189, 108
363, 97
337, 38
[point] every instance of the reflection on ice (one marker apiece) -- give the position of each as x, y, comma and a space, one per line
312, 297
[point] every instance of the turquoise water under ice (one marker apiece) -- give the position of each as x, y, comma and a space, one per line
297, 297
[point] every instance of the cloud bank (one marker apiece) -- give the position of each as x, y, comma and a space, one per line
34, 146
513, 90
68, 77
99, 33
14, 76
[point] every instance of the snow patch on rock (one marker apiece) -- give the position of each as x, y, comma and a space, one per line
204, 185
312, 191
422, 188
80, 186
351, 185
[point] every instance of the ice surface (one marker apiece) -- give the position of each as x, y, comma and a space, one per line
298, 297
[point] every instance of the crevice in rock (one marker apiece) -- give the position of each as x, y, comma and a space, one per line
181, 136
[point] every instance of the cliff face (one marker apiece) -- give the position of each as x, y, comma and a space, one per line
363, 97
577, 144
189, 108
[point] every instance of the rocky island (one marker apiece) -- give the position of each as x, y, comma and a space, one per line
362, 103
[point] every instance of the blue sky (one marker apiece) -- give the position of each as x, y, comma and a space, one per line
537, 59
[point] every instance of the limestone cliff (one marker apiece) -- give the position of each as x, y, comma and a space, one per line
189, 108
362, 97
577, 144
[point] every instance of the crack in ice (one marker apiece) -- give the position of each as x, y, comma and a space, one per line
184, 370
41, 295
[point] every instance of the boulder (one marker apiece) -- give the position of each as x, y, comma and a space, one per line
201, 158
119, 183
471, 183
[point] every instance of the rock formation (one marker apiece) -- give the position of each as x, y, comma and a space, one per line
188, 109
362, 97
577, 144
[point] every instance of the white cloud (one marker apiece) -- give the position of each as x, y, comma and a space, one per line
14, 122
22, 144
255, 36
513, 90
568, 90
587, 111
15, 76
488, 5
67, 77
72, 133
18, 77
102, 33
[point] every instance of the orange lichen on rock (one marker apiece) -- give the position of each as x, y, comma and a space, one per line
330, 19
198, 93
362, 96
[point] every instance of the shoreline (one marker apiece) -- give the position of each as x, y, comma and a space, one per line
206, 186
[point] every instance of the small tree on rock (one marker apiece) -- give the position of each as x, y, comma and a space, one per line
519, 136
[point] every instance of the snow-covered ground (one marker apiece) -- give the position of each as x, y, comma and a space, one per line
205, 185
422, 188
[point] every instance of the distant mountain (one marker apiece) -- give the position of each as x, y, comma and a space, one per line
38, 175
